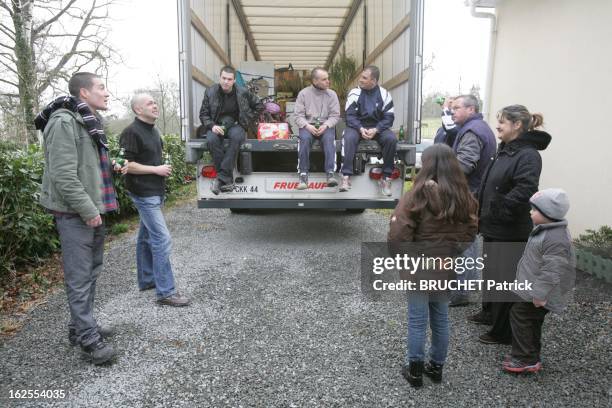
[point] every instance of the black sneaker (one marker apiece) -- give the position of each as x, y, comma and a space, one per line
175, 300
433, 371
303, 182
459, 301
227, 188
98, 352
487, 338
147, 287
414, 373
481, 318
331, 180
104, 332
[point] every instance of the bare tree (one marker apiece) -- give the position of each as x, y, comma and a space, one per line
166, 94
42, 42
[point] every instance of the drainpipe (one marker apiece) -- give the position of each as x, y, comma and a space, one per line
491, 57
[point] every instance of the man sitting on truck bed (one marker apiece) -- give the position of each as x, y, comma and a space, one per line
317, 111
227, 111
369, 115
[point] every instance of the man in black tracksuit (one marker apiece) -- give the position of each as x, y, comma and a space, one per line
369, 116
227, 112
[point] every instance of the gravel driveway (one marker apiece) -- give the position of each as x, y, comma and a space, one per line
278, 319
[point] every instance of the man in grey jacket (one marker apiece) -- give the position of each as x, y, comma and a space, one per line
549, 266
77, 189
317, 111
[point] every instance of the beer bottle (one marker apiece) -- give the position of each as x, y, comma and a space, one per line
120, 160
401, 132
317, 123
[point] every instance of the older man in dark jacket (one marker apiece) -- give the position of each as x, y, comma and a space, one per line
227, 112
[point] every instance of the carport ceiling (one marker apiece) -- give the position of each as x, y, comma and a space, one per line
299, 32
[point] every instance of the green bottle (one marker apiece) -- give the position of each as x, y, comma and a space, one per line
120, 160
440, 100
223, 128
401, 132
317, 123
167, 159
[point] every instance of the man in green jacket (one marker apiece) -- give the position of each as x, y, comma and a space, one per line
77, 189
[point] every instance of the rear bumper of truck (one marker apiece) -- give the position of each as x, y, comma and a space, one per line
294, 203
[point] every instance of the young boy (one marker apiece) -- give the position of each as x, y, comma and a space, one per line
548, 263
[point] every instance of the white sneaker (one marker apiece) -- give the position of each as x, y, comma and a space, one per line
385, 186
303, 182
346, 184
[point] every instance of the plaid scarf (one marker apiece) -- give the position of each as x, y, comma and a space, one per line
96, 131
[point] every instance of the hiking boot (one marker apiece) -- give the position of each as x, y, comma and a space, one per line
104, 332
481, 318
331, 180
517, 366
489, 339
303, 182
414, 373
433, 371
98, 352
215, 186
346, 183
175, 300
385, 186
458, 301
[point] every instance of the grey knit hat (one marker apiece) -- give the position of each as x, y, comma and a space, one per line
553, 203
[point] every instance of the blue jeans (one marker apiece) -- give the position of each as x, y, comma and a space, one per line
421, 308
153, 246
473, 252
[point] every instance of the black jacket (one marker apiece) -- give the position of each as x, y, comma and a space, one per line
508, 184
249, 107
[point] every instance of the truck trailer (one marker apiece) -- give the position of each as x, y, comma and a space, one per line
261, 38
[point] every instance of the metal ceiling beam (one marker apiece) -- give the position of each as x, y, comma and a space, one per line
345, 27
245, 27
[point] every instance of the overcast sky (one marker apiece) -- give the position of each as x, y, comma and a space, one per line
146, 36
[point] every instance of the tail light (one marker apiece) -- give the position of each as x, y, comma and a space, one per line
396, 173
209, 172
376, 173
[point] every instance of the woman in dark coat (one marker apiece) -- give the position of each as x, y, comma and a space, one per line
504, 220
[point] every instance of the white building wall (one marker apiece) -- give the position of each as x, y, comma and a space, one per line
553, 56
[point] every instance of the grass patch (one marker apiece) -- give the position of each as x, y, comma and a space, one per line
119, 228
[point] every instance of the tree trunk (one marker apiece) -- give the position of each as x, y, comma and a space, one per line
22, 21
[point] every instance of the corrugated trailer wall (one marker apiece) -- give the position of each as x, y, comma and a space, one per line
382, 18
210, 18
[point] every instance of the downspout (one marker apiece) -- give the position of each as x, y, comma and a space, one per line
491, 57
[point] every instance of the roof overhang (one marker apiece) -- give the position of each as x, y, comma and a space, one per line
302, 33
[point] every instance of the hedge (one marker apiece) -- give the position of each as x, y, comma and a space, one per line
27, 232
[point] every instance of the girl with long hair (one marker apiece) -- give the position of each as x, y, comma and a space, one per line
438, 213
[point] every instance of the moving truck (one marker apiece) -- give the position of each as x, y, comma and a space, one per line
268, 36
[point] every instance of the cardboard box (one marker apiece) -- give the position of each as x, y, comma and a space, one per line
273, 131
